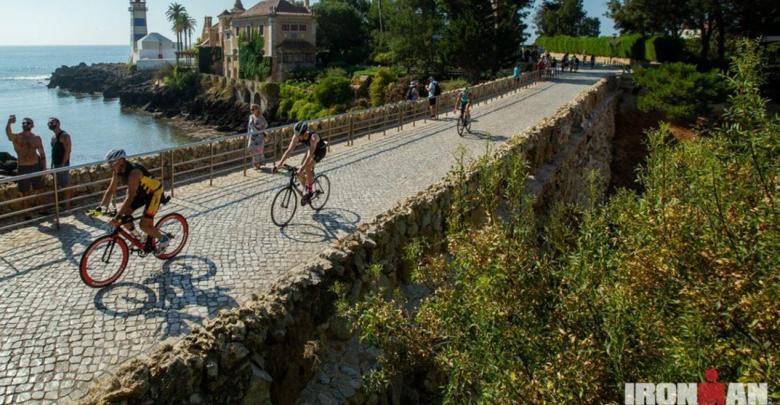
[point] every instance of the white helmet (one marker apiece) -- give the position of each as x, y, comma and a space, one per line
115, 154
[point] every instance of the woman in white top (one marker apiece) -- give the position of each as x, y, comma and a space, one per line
256, 128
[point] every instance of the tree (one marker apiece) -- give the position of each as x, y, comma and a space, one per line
649, 17
412, 30
174, 15
342, 33
565, 17
483, 36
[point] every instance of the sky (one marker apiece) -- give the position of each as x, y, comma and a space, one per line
107, 22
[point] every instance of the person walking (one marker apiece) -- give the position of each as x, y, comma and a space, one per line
592, 62
256, 128
516, 74
434, 90
61, 147
31, 159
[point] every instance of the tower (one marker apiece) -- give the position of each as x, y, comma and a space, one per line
138, 28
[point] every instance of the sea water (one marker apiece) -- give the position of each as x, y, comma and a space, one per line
94, 123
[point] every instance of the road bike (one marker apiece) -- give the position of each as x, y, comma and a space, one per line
285, 202
464, 122
106, 258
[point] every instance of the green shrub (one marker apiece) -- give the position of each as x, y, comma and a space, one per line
379, 86
333, 90
653, 287
303, 73
454, 84
630, 46
678, 90
181, 79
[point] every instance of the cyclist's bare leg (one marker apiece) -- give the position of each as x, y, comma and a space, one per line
308, 172
147, 225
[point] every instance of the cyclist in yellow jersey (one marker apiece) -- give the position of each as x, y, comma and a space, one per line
142, 191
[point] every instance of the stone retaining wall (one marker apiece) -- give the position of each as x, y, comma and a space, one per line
265, 351
601, 60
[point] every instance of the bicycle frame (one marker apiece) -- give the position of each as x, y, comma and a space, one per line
120, 231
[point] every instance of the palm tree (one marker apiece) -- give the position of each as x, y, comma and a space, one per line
188, 25
174, 13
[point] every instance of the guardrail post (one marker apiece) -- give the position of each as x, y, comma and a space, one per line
246, 154
400, 118
173, 175
211, 165
384, 122
351, 130
56, 204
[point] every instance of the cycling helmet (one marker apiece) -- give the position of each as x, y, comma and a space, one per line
301, 127
115, 154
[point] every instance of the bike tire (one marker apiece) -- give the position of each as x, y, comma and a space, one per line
181, 238
91, 278
468, 123
322, 187
284, 199
460, 126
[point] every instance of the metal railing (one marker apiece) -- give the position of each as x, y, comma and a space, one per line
211, 158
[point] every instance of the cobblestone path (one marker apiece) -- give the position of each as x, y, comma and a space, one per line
57, 335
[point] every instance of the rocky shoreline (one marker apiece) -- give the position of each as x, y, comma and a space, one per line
197, 110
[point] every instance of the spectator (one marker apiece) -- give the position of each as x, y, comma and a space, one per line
434, 90
412, 94
592, 61
516, 74
32, 158
575, 63
256, 128
565, 62
60, 157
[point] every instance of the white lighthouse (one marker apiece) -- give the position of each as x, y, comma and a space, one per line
138, 28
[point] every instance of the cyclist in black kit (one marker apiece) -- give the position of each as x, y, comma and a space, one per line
318, 148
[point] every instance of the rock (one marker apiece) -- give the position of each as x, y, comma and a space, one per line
259, 391
349, 371
233, 353
195, 399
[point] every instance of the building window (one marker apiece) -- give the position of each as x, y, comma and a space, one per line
302, 28
294, 27
285, 27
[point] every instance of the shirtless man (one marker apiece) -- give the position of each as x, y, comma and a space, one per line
31, 157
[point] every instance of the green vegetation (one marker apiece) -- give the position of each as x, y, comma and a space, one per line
655, 287
631, 46
179, 79
679, 91
565, 17
252, 64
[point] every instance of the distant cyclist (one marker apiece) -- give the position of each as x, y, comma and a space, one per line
318, 148
142, 191
464, 102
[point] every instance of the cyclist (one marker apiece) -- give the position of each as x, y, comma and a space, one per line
318, 148
464, 102
142, 191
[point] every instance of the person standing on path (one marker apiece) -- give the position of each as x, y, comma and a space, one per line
60, 157
413, 94
434, 90
516, 74
256, 128
31, 159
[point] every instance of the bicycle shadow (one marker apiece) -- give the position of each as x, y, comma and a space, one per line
174, 296
329, 224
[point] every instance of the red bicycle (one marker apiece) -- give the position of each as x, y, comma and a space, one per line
106, 258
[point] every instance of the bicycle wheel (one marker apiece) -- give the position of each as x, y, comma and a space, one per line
104, 261
322, 192
178, 230
468, 123
460, 125
283, 207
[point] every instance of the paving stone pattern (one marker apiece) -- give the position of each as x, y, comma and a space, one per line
57, 335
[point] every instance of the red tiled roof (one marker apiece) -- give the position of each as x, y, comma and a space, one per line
280, 6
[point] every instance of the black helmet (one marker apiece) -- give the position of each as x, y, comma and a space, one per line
301, 127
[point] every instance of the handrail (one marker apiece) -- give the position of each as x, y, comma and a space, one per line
344, 127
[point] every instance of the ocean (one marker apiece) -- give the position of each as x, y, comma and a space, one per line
95, 124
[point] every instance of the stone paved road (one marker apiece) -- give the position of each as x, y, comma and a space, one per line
56, 335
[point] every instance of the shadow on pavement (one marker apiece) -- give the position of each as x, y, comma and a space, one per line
173, 295
330, 222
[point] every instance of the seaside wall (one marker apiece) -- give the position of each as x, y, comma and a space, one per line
266, 350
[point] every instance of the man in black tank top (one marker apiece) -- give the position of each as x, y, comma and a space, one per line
60, 157
317, 149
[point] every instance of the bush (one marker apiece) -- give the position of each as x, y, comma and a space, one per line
655, 287
630, 46
252, 64
181, 79
379, 86
303, 73
333, 90
678, 90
